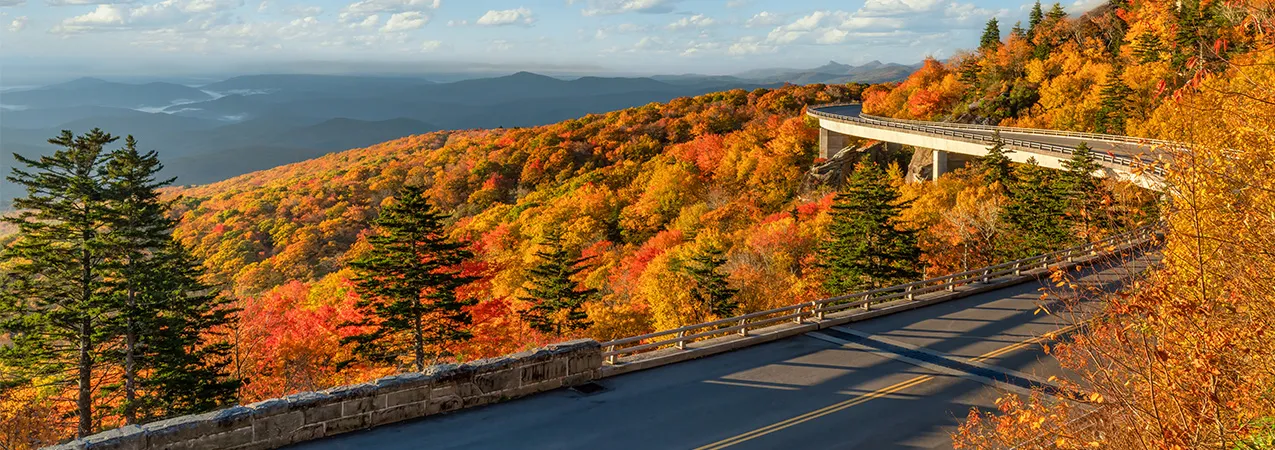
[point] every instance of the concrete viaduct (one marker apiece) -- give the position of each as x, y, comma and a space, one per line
956, 144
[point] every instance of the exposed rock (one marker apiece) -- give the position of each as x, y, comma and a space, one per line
922, 166
833, 171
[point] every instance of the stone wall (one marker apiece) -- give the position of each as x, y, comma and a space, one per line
315, 415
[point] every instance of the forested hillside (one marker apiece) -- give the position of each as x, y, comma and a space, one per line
1183, 359
657, 216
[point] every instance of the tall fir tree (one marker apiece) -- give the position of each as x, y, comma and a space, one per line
1148, 48
991, 39
995, 165
557, 304
408, 282
138, 228
189, 357
1018, 32
1086, 194
1036, 212
1037, 15
868, 247
711, 293
168, 319
1056, 13
1114, 109
56, 301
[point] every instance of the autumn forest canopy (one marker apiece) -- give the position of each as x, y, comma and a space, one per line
465, 244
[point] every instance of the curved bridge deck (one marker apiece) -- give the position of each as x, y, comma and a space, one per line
1122, 157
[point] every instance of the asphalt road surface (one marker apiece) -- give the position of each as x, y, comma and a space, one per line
806, 392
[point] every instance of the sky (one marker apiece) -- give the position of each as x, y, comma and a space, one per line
57, 38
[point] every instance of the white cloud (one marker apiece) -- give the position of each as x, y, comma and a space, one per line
750, 45
520, 16
632, 28
405, 21
607, 7
696, 48
876, 20
375, 6
4, 3
764, 19
303, 11
368, 22
695, 21
84, 2
360, 10
500, 45
431, 46
19, 23
104, 16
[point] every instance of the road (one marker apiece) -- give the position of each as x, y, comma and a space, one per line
810, 391
1115, 148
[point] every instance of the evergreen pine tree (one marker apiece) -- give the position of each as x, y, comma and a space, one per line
995, 164
1018, 31
408, 283
55, 302
189, 357
711, 293
1148, 48
1037, 15
868, 248
164, 313
1086, 193
991, 35
1056, 13
557, 305
1114, 108
138, 228
1036, 212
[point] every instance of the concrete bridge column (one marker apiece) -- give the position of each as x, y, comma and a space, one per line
831, 142
940, 164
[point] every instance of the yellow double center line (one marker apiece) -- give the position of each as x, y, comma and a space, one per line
871, 395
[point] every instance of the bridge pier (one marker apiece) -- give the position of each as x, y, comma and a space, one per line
940, 164
831, 142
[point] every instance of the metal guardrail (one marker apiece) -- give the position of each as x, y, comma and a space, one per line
1042, 131
799, 313
930, 129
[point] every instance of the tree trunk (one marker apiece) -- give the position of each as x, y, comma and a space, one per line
84, 404
130, 371
420, 343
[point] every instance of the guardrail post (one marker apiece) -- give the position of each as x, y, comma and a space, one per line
799, 317
681, 343
986, 279
610, 358
866, 306
909, 291
951, 285
743, 331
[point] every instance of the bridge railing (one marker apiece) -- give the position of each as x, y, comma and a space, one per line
817, 309
1076, 134
931, 129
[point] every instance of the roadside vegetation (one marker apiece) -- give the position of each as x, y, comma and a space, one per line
1183, 359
